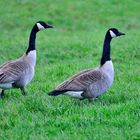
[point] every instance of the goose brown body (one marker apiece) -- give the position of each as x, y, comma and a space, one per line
17, 73
89, 83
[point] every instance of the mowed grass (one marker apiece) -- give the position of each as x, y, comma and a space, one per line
74, 44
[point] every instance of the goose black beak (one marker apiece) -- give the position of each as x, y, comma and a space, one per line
120, 33
49, 26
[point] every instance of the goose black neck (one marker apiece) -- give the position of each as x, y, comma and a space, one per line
106, 49
32, 39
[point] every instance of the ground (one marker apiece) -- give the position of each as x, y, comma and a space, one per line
74, 44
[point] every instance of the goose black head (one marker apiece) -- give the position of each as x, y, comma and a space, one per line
114, 32
42, 25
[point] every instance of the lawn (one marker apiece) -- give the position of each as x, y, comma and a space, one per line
74, 44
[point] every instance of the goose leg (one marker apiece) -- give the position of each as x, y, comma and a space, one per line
82, 99
2, 94
23, 91
90, 100
87, 95
83, 95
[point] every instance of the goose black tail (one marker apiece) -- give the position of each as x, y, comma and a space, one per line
56, 92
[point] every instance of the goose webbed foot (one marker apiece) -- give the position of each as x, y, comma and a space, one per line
23, 91
2, 94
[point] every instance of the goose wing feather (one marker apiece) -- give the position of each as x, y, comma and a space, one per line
82, 80
12, 71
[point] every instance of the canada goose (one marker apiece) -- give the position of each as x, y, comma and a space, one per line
18, 73
92, 82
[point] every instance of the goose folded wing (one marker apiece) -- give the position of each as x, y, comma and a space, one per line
12, 71
82, 81
3, 65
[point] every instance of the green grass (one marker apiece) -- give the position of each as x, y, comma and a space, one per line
73, 45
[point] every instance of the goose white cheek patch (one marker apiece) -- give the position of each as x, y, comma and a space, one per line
112, 34
40, 26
